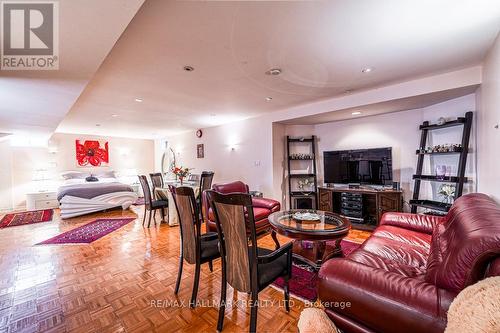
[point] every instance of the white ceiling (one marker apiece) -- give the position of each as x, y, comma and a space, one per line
35, 102
321, 46
395, 105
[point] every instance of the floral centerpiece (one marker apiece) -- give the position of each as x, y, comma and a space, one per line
181, 173
448, 192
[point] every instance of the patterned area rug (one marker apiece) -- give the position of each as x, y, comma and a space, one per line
304, 281
37, 216
89, 232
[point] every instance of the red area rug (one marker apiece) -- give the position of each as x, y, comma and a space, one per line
304, 281
24, 218
89, 232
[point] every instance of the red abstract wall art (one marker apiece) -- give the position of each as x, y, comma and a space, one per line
92, 153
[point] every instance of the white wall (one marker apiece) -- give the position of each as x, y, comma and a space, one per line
251, 161
5, 176
124, 154
488, 134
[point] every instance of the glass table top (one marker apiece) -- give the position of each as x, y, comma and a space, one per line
327, 222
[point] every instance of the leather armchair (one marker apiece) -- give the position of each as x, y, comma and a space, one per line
405, 276
262, 207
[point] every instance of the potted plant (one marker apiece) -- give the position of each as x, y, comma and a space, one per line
448, 192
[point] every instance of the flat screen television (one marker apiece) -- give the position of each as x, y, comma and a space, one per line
363, 166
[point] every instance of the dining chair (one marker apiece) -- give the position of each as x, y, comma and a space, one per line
205, 184
245, 266
151, 205
196, 248
156, 180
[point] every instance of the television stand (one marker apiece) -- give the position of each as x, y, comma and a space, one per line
349, 202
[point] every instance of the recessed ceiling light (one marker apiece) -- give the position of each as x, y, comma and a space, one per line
269, 99
348, 91
138, 100
367, 70
114, 115
188, 68
274, 71
356, 113
213, 115
98, 125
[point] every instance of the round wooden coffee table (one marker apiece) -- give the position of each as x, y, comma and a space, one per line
310, 237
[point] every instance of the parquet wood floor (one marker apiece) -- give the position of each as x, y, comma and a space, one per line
122, 282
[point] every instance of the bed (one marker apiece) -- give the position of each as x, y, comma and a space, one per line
77, 196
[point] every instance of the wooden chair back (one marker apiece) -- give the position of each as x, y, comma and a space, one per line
239, 253
148, 201
189, 221
156, 181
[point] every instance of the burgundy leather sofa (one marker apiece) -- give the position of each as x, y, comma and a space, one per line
405, 275
262, 207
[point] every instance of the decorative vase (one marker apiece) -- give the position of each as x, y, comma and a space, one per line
441, 171
181, 179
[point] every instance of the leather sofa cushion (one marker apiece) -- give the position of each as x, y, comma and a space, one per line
266, 203
419, 223
233, 187
385, 263
468, 243
405, 249
404, 236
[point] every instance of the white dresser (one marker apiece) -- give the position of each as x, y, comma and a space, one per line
41, 200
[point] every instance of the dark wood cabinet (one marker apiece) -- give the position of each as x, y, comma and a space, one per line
325, 200
389, 202
375, 203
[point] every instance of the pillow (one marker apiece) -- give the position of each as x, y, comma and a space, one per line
74, 175
91, 179
105, 174
478, 303
74, 181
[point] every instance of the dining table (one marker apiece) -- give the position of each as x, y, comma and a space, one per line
163, 193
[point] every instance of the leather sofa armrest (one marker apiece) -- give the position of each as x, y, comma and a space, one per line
415, 222
382, 300
270, 204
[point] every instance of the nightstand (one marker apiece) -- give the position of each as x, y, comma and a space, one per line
41, 200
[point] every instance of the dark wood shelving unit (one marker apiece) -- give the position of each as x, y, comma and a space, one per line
301, 175
440, 152
312, 139
458, 122
302, 194
434, 205
458, 180
451, 179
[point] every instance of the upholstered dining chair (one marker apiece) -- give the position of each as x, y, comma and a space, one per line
151, 205
246, 267
205, 184
196, 248
157, 182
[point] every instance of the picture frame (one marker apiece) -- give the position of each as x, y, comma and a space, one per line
200, 150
